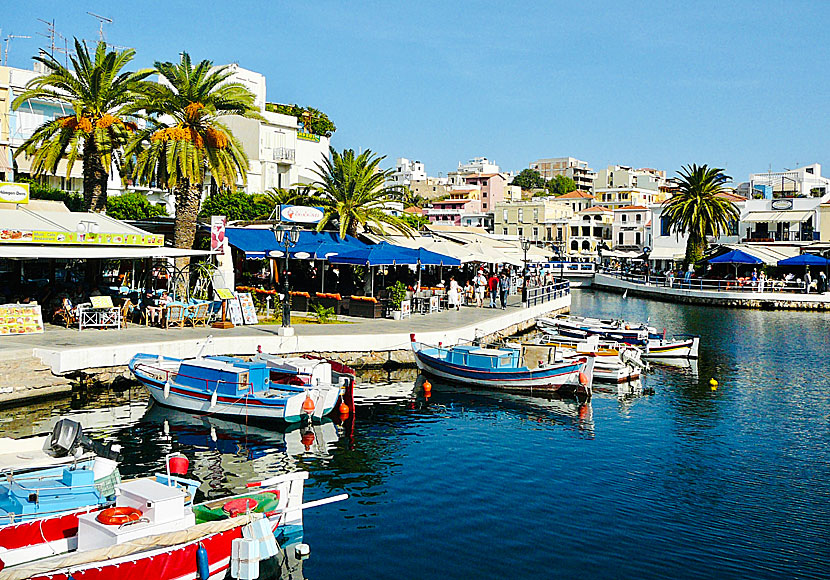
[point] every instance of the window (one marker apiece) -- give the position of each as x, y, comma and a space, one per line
638, 218
586, 231
574, 245
550, 233
574, 231
624, 218
535, 233
665, 229
485, 205
521, 215
620, 241
504, 216
586, 246
504, 231
535, 215
520, 232
637, 238
586, 218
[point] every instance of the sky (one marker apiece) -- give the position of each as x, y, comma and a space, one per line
742, 85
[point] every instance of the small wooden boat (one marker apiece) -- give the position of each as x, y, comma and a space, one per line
504, 368
151, 532
677, 346
614, 363
230, 387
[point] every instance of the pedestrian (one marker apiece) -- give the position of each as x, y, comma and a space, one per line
493, 286
808, 281
469, 292
822, 282
454, 294
480, 283
761, 279
504, 288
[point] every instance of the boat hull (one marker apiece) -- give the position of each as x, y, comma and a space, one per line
685, 348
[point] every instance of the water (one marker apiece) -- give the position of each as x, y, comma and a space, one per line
684, 483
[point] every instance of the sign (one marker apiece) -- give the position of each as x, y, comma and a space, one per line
434, 304
101, 301
217, 231
308, 137
20, 319
782, 204
301, 214
406, 309
49, 237
224, 294
14, 192
235, 312
248, 308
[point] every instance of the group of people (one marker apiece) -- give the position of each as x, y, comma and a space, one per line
476, 290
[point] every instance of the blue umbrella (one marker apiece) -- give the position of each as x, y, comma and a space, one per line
804, 260
736, 257
382, 254
430, 258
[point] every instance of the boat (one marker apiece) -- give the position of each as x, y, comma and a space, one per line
152, 532
614, 362
578, 274
504, 368
676, 346
229, 387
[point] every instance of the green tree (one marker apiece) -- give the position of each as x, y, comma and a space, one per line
237, 206
414, 220
353, 192
133, 206
100, 94
314, 121
529, 179
698, 210
186, 138
37, 190
561, 185
300, 195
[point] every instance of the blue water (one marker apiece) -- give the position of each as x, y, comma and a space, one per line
681, 483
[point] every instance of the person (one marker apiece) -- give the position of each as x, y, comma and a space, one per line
493, 286
469, 292
152, 311
822, 282
808, 281
761, 279
480, 282
504, 288
454, 294
670, 277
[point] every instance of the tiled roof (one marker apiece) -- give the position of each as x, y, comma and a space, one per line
596, 209
631, 207
576, 195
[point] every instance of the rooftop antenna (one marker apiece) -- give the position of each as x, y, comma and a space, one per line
8, 43
50, 34
101, 20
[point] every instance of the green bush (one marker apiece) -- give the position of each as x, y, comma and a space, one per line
236, 205
133, 206
322, 314
73, 201
396, 294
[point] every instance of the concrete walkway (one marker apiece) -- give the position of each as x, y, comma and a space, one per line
66, 350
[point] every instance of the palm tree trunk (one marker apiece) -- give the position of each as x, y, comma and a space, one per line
695, 249
95, 179
188, 199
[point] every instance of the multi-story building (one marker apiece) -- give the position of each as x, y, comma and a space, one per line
450, 210
430, 188
541, 219
621, 197
571, 167
587, 231
621, 176
577, 200
491, 186
478, 220
801, 182
407, 171
629, 227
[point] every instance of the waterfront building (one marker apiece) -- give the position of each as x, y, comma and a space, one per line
570, 167
804, 181
588, 230
406, 172
614, 198
491, 186
483, 220
577, 200
540, 219
629, 227
459, 202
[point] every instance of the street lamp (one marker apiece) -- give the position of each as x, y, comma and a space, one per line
287, 237
525, 248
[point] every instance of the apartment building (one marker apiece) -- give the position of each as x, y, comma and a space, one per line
449, 211
804, 181
588, 229
621, 176
577, 200
621, 197
407, 171
629, 227
541, 219
570, 167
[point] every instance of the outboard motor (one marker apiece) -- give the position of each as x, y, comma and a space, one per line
68, 439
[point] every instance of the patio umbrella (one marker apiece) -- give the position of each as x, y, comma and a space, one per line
382, 254
736, 257
430, 258
804, 260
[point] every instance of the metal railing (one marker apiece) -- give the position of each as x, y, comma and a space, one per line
540, 294
716, 285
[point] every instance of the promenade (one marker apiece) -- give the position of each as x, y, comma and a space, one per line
42, 361
709, 294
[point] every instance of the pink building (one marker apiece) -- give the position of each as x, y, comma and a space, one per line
492, 188
449, 211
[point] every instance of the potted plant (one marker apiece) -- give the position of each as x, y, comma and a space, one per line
396, 294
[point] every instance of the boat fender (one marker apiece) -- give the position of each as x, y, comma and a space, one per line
213, 398
202, 564
117, 516
583, 379
167, 388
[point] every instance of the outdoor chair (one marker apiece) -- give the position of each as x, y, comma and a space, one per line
198, 314
127, 309
66, 314
327, 300
174, 315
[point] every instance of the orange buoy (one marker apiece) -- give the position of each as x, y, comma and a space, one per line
344, 409
308, 405
308, 439
583, 379
427, 387
116, 516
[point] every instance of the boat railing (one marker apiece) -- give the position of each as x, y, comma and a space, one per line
168, 375
743, 285
546, 293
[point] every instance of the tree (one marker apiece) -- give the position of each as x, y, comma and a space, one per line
529, 179
37, 190
99, 93
133, 206
561, 185
414, 220
314, 121
186, 138
353, 193
300, 195
237, 206
697, 209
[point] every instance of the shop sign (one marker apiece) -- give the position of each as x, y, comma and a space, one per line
301, 214
48, 237
217, 231
782, 204
308, 137
20, 319
14, 192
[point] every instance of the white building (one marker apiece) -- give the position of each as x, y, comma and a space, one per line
407, 171
621, 176
801, 182
570, 167
477, 165
629, 227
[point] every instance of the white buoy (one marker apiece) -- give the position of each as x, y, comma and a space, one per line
302, 551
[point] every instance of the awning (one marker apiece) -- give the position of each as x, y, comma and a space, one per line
5, 164
777, 216
666, 254
620, 254
258, 243
30, 251
770, 254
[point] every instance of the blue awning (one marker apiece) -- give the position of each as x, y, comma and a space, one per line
257, 243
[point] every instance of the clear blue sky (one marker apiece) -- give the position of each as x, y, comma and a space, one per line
743, 85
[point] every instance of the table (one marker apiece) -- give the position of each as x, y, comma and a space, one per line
89, 317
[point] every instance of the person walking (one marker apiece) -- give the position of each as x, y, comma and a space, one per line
761, 279
822, 282
454, 294
504, 288
480, 283
493, 287
808, 281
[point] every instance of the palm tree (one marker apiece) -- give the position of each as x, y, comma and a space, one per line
353, 192
186, 139
299, 195
99, 93
698, 210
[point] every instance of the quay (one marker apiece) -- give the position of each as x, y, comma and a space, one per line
709, 293
38, 365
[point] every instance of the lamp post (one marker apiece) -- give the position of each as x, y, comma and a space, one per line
525, 248
287, 237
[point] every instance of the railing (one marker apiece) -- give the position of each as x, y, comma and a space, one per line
283, 154
162, 375
715, 285
540, 294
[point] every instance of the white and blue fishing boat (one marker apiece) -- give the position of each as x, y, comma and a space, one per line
504, 368
230, 387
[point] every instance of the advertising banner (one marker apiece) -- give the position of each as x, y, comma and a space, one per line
301, 214
49, 237
14, 192
20, 319
217, 231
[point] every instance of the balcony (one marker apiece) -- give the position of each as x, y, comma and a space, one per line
282, 155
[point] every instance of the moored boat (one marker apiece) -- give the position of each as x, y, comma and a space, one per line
229, 387
614, 362
504, 368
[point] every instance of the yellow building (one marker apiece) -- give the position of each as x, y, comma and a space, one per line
541, 219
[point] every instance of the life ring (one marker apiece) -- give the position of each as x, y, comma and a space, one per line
116, 516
